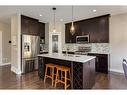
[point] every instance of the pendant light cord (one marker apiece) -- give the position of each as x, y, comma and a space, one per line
72, 13
54, 19
72, 30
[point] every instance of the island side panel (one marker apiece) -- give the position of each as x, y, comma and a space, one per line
41, 67
92, 73
89, 74
77, 75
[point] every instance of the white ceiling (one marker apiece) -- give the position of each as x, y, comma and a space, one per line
62, 12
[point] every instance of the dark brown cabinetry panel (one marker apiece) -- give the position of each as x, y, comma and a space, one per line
101, 64
29, 26
97, 28
69, 38
42, 29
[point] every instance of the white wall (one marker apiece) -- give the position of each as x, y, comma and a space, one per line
46, 36
0, 47
118, 41
15, 46
6, 46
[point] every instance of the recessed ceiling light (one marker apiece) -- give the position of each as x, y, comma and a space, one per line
61, 19
40, 14
94, 10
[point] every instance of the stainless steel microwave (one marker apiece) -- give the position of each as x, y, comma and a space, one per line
82, 39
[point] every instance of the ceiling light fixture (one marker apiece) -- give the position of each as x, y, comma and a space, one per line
40, 14
94, 10
54, 29
72, 29
61, 19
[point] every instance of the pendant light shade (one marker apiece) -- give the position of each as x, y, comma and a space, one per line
72, 29
54, 28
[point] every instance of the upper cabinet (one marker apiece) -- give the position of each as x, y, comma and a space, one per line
69, 38
97, 28
42, 29
31, 26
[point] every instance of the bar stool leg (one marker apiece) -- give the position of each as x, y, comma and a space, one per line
45, 74
65, 80
56, 78
70, 75
52, 76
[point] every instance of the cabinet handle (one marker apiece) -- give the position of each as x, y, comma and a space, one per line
97, 59
82, 33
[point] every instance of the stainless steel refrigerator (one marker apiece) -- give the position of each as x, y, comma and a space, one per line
30, 50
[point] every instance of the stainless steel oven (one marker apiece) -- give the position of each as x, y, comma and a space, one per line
82, 39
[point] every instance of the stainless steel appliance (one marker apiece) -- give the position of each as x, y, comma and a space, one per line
82, 39
82, 50
30, 50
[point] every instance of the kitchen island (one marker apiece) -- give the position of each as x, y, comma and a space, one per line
82, 68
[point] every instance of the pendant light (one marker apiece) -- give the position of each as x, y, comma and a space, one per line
54, 28
72, 29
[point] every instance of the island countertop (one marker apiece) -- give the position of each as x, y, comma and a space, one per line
74, 58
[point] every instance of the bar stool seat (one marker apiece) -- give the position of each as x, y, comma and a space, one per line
51, 73
59, 77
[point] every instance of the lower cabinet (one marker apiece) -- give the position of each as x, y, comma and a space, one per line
29, 65
101, 64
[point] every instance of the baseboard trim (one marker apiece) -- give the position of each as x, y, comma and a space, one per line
3, 64
117, 71
15, 70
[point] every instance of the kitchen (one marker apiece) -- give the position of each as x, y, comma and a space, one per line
91, 39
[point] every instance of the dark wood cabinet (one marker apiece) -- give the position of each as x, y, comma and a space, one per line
69, 38
29, 26
101, 63
42, 29
97, 28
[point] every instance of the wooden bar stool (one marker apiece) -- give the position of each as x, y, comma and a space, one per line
60, 77
51, 67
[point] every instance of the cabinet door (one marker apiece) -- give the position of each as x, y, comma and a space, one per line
103, 30
33, 27
69, 38
103, 64
42, 29
83, 28
93, 30
29, 26
25, 25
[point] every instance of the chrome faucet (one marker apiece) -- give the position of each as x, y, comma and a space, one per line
67, 50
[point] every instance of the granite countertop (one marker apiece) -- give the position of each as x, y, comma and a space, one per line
70, 57
99, 52
93, 52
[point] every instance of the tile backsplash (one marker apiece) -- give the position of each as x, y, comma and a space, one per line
95, 47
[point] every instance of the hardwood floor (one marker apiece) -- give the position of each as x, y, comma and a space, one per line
9, 80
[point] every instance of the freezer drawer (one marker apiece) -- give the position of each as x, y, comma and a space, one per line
28, 65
